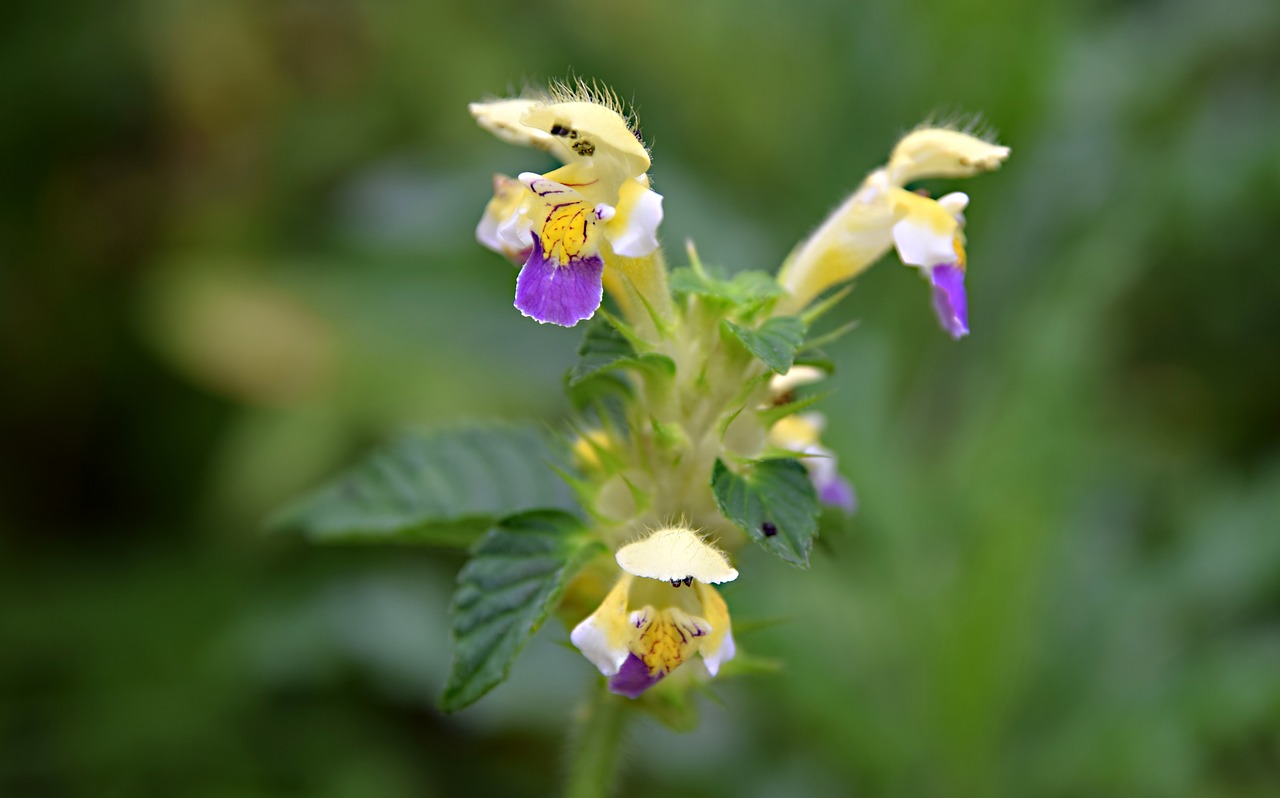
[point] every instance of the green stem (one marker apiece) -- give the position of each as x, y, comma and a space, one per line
596, 740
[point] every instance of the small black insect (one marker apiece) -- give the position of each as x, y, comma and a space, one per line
675, 583
688, 581
559, 130
769, 529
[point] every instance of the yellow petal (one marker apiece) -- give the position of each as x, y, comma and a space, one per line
717, 647
667, 638
566, 222
676, 553
928, 233
797, 432
939, 152
605, 636
595, 134
851, 239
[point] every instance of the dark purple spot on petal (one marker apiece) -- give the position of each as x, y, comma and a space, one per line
838, 492
949, 299
555, 294
633, 678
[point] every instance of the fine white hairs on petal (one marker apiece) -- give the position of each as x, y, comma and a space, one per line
940, 152
676, 553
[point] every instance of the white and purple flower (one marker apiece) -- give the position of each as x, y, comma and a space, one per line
566, 226
882, 214
662, 610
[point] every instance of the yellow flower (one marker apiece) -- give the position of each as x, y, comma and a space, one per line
927, 233
594, 213
647, 625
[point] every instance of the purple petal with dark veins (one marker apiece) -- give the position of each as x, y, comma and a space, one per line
633, 678
949, 299
838, 492
564, 295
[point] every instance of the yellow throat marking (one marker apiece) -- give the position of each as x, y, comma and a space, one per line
567, 231
666, 639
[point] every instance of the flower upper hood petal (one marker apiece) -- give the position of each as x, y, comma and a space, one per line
940, 152
503, 118
676, 553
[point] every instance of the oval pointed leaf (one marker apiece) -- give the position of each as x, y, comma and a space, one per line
513, 581
604, 348
444, 488
774, 502
775, 342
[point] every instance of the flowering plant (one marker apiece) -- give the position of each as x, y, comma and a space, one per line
693, 435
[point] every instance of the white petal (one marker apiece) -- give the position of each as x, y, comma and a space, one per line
722, 654
594, 643
920, 244
797, 376
821, 463
515, 233
501, 228
954, 204
676, 553
639, 234
487, 233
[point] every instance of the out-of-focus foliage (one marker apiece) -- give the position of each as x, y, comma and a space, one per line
235, 250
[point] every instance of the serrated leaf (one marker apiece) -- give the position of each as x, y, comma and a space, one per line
443, 488
745, 289
776, 341
512, 582
774, 502
604, 348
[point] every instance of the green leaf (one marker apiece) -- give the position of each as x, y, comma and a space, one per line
830, 337
747, 290
775, 342
513, 581
775, 414
604, 348
774, 502
443, 488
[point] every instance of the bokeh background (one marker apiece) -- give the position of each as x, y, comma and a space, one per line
236, 251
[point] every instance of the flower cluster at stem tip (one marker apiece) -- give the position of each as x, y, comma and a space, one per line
590, 227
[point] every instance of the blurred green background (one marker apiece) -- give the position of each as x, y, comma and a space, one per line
236, 251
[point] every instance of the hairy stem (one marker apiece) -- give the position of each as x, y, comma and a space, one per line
594, 753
